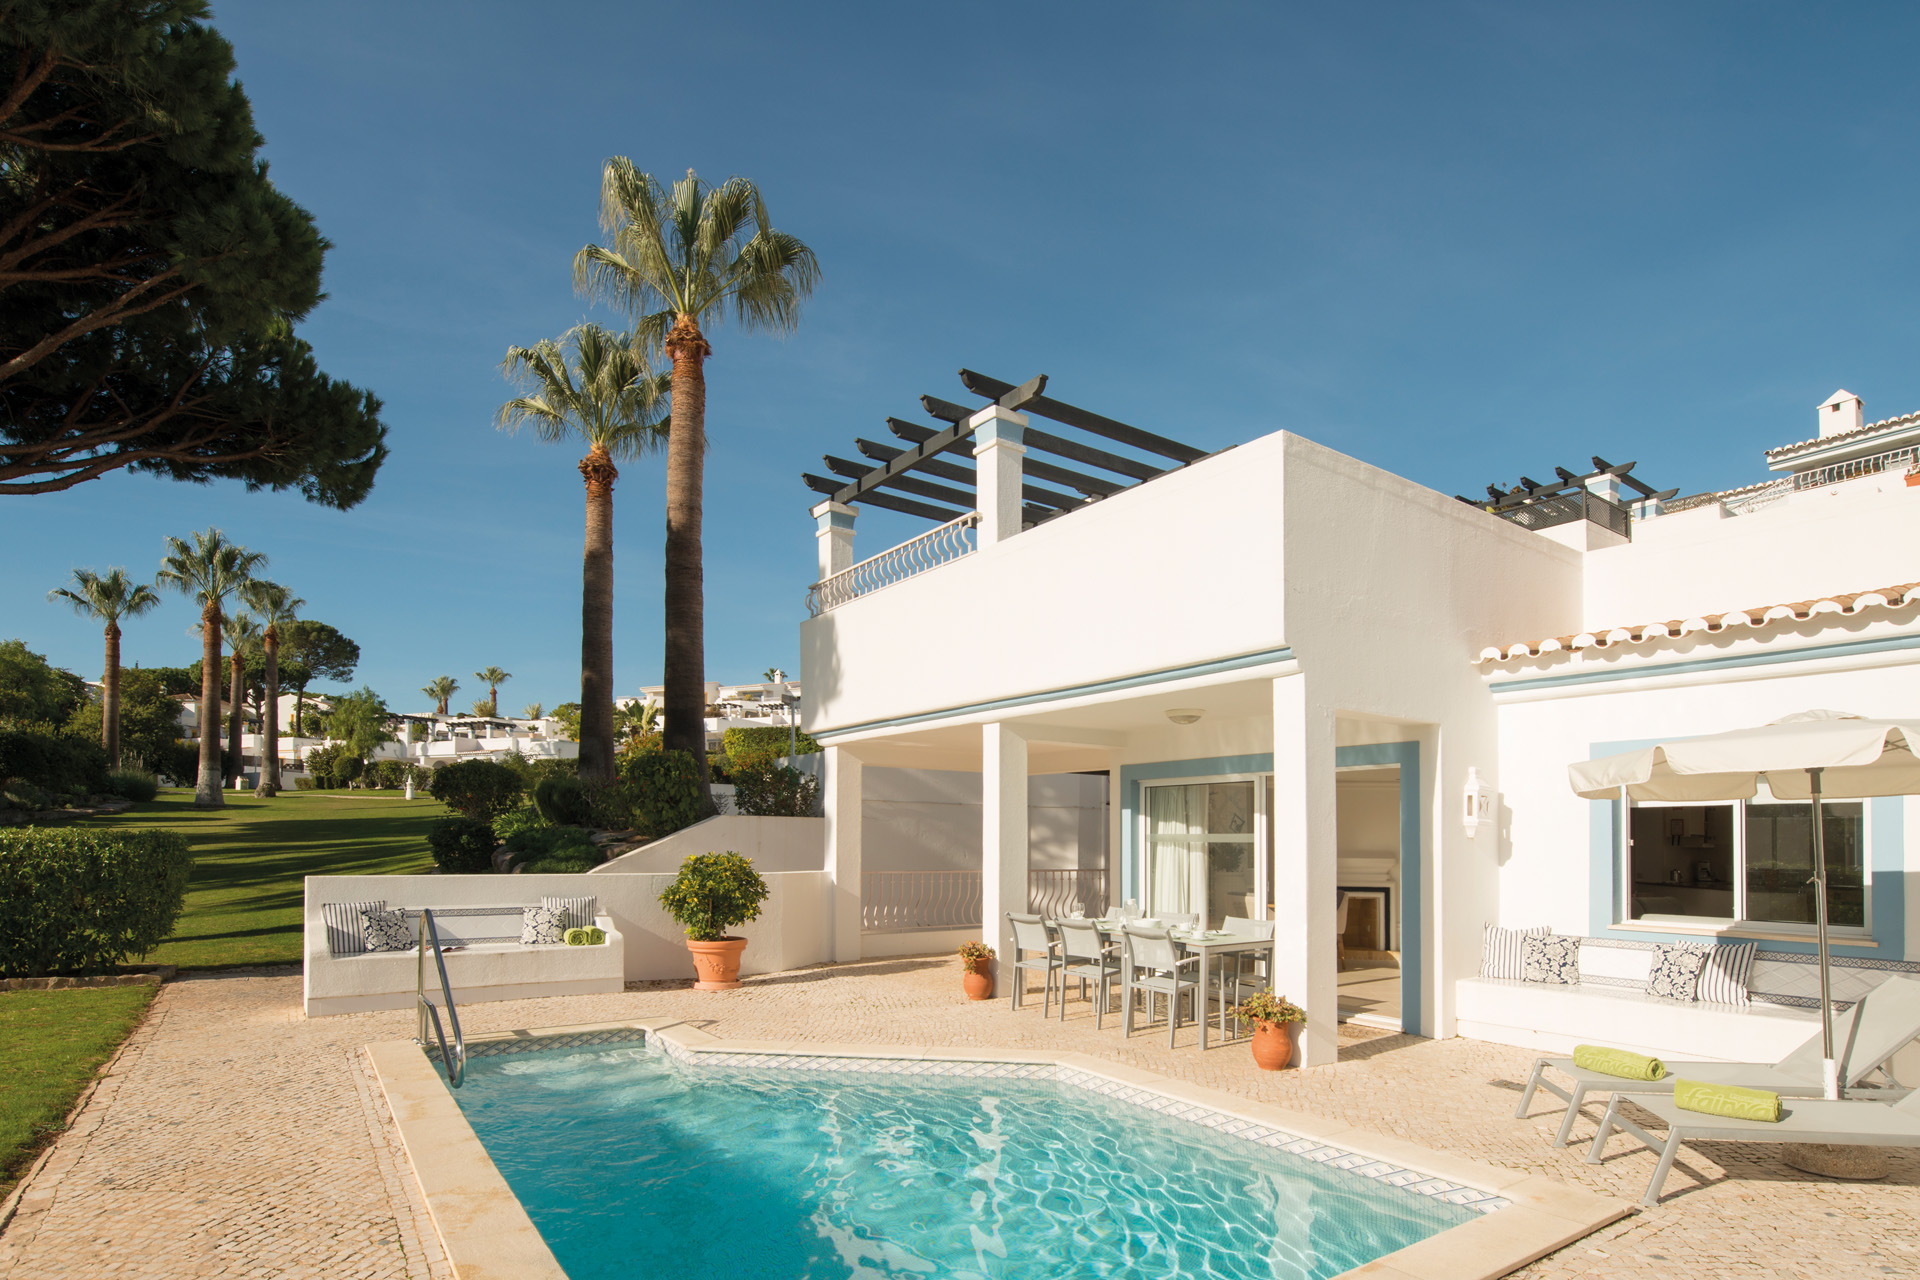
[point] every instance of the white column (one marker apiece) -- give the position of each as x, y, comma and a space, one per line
842, 795
1304, 865
833, 528
998, 448
1003, 831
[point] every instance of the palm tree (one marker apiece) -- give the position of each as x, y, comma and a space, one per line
493, 678
598, 387
108, 598
244, 632
534, 711
274, 606
440, 689
208, 571
678, 260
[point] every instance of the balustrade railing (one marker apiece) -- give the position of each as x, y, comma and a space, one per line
930, 550
1065, 892
1892, 460
902, 901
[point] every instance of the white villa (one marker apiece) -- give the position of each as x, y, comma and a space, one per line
771, 704
1301, 676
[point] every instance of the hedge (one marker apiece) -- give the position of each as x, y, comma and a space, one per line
76, 899
664, 792
480, 789
769, 790
51, 761
746, 747
461, 846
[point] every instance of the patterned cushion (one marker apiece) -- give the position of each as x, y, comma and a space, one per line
1676, 970
1554, 958
580, 911
1504, 956
542, 925
385, 930
345, 936
1723, 978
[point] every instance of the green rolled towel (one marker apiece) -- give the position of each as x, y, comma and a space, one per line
581, 937
1618, 1062
596, 936
1728, 1100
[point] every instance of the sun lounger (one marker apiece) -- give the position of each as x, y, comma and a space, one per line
1882, 1023
1848, 1122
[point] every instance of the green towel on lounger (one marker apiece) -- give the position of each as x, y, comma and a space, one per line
577, 938
596, 936
1728, 1100
1618, 1062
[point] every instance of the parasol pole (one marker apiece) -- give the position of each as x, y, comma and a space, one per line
1830, 1068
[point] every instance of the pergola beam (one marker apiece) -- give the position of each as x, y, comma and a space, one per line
1074, 416
1092, 486
892, 502
904, 483
965, 475
948, 411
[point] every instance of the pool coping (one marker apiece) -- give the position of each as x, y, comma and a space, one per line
486, 1232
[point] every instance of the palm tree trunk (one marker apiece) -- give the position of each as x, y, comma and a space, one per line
685, 656
596, 619
236, 717
110, 697
206, 789
270, 707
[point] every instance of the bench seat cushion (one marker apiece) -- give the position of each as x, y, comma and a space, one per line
480, 971
1553, 1019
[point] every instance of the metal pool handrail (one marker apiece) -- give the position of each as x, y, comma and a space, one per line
425, 1008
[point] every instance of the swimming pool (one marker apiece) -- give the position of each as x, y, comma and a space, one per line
633, 1163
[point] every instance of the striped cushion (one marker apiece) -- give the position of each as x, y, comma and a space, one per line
1504, 955
580, 911
1723, 979
345, 935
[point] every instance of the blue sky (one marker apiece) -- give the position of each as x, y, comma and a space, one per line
1457, 241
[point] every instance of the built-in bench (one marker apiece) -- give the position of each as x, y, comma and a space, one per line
491, 963
1610, 1006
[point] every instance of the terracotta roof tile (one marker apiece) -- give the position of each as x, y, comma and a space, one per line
1869, 429
1764, 615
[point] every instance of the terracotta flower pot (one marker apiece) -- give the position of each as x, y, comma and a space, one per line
978, 983
716, 965
1272, 1045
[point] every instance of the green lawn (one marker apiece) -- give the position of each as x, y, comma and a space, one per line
51, 1044
244, 901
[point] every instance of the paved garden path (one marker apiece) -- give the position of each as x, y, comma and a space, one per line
233, 1137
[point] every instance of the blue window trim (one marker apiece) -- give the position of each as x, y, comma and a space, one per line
1887, 855
1404, 754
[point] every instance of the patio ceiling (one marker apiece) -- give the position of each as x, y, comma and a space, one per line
930, 473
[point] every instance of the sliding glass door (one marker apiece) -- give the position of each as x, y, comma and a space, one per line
1200, 846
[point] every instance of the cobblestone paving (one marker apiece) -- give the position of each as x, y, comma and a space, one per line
233, 1137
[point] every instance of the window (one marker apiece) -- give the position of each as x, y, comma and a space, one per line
1200, 849
1745, 862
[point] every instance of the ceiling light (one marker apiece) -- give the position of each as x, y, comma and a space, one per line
1185, 715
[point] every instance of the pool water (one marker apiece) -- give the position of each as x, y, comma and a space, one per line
633, 1165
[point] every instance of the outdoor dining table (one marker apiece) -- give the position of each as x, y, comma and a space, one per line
1207, 945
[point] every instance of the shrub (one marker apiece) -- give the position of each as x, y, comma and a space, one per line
769, 790
134, 784
746, 746
713, 893
18, 793
303, 784
609, 804
563, 801
525, 818
41, 755
82, 898
549, 842
389, 775
480, 789
560, 864
461, 845
664, 791
347, 767
182, 762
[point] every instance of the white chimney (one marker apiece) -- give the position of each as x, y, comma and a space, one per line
1842, 411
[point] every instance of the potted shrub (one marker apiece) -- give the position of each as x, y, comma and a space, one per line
975, 977
1270, 1014
713, 893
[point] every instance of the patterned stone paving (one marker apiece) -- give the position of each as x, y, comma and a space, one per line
233, 1137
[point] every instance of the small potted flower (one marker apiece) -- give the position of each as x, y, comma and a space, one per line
713, 893
974, 977
1270, 1014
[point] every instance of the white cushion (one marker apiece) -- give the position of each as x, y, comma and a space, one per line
1723, 978
1503, 955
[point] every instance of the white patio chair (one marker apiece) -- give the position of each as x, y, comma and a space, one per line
1085, 955
1150, 963
1876, 1027
1250, 969
1030, 935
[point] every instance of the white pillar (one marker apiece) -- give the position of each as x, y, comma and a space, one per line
998, 448
1003, 831
1304, 865
843, 796
833, 528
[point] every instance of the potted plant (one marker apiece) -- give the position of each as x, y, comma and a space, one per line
974, 977
713, 893
1270, 1014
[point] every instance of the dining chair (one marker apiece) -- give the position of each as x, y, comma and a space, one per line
1180, 919
1030, 935
1150, 963
1085, 955
1251, 968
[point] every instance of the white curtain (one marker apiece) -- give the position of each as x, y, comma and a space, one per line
1175, 820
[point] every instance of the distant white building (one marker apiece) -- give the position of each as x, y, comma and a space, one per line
773, 704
